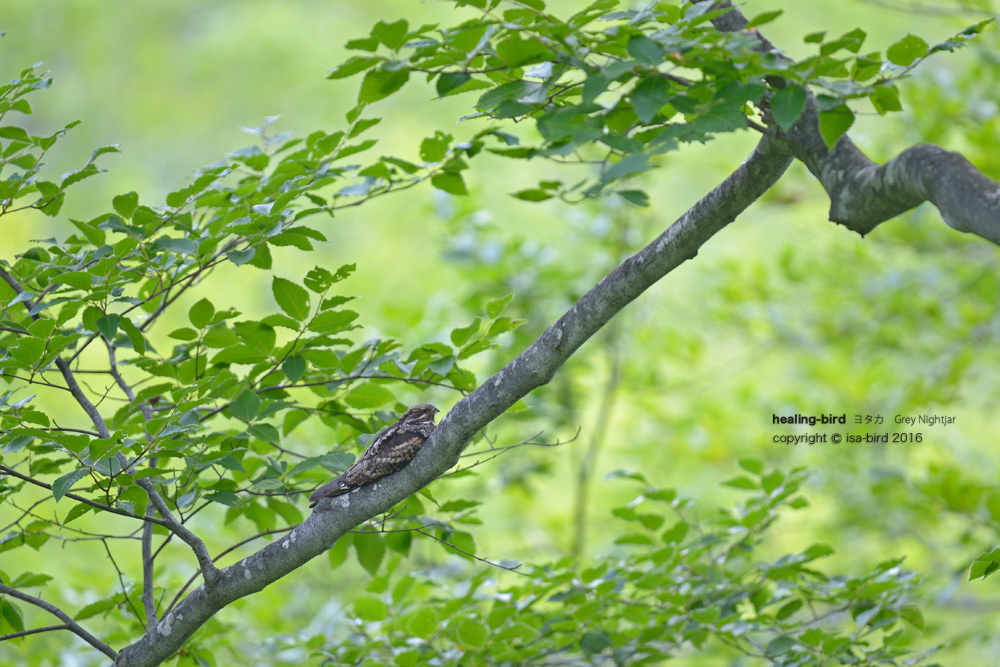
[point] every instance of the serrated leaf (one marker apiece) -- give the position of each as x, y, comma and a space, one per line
370, 549
497, 306
833, 124
766, 17
379, 84
291, 298
353, 65
906, 50
62, 485
450, 182
369, 395
134, 335
337, 554
245, 406
293, 368
126, 204
201, 313
787, 105
645, 50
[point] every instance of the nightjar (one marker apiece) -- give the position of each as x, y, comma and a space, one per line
391, 451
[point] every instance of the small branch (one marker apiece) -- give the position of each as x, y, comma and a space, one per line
148, 601
208, 570
107, 508
121, 582
25, 633
70, 624
484, 560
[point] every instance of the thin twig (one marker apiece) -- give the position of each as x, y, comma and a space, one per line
25, 633
488, 562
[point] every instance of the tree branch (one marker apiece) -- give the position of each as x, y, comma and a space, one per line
35, 631
864, 194
192, 540
531, 369
62, 616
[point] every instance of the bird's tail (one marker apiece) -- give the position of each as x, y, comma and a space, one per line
335, 488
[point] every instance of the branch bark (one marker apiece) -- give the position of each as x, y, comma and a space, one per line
864, 194
531, 369
62, 616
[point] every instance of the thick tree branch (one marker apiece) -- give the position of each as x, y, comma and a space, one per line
62, 616
864, 194
531, 369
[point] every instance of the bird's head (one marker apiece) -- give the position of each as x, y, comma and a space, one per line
420, 413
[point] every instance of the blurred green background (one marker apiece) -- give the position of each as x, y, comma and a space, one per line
783, 312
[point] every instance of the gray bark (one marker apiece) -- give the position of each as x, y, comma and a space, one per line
862, 196
534, 367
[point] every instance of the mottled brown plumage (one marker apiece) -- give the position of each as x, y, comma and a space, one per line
391, 451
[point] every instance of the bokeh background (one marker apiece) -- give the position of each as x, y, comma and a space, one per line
782, 313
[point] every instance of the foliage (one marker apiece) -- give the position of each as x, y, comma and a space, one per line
211, 407
678, 584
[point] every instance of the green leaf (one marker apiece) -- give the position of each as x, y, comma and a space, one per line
184, 333
778, 646
245, 406
450, 182
460, 336
241, 257
370, 548
649, 95
264, 432
392, 35
787, 105
533, 194
913, 616
741, 482
450, 81
134, 335
752, 466
201, 313
434, 149
256, 334
126, 204
645, 50
108, 325
379, 84
595, 642
332, 321
473, 633
885, 98
30, 580
62, 485
906, 50
369, 395
423, 622
834, 123
352, 66
291, 298
95, 608
338, 552
78, 279
497, 306
766, 17
370, 608
635, 197
293, 368
11, 614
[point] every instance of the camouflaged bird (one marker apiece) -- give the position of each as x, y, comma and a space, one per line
391, 451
